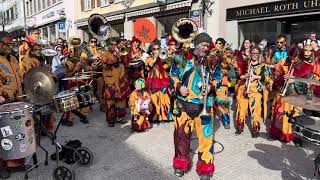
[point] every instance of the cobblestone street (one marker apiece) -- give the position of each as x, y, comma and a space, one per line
121, 154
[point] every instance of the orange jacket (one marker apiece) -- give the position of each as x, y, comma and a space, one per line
9, 70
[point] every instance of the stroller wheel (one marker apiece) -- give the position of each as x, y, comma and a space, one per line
83, 156
63, 172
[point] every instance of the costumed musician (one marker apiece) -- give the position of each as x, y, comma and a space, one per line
90, 56
25, 47
190, 112
10, 88
158, 83
73, 65
253, 94
284, 85
136, 66
117, 88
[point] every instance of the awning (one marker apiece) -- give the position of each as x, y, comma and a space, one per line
158, 9
116, 17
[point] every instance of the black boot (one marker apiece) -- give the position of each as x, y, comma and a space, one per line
204, 177
110, 124
297, 142
4, 173
178, 172
65, 122
84, 120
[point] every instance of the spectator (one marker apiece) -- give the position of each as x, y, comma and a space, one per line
58, 68
312, 37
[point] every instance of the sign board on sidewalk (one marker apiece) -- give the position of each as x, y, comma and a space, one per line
195, 15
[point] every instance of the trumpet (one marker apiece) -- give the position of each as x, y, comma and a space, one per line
122, 50
163, 54
286, 84
250, 71
205, 83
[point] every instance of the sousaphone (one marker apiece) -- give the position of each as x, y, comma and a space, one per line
184, 30
99, 27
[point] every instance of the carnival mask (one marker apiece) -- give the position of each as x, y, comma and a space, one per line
281, 43
307, 51
219, 45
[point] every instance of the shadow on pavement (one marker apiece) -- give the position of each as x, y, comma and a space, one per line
294, 163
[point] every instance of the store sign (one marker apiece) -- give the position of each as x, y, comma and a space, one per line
273, 9
195, 15
50, 14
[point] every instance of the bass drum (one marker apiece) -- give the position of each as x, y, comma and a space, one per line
17, 131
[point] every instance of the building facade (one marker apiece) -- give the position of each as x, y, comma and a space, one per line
55, 18
12, 12
121, 14
266, 19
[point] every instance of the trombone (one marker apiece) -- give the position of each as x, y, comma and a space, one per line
250, 71
286, 83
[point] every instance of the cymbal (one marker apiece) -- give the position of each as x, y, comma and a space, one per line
83, 77
301, 101
307, 81
89, 72
39, 86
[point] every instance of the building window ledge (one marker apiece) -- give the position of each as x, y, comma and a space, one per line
45, 9
87, 10
105, 5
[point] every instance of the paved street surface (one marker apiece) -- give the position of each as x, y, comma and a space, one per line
121, 154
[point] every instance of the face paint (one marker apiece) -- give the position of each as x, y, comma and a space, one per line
307, 51
219, 45
281, 43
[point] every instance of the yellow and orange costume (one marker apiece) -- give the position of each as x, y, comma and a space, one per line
255, 99
158, 86
117, 88
280, 127
139, 102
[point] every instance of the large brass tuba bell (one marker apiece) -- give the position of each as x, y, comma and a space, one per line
74, 41
184, 30
122, 49
99, 27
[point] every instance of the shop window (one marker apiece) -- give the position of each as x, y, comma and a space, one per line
117, 30
256, 31
52, 30
54, 1
49, 3
45, 33
27, 8
11, 14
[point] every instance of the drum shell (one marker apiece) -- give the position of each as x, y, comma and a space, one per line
65, 102
18, 119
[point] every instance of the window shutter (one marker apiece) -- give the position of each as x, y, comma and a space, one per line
93, 3
82, 5
98, 3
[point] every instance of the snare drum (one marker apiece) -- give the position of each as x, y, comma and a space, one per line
65, 101
86, 96
17, 131
308, 128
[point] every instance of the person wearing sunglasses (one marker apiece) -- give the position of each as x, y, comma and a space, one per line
293, 66
191, 91
25, 47
90, 56
280, 52
157, 84
117, 88
252, 95
10, 87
